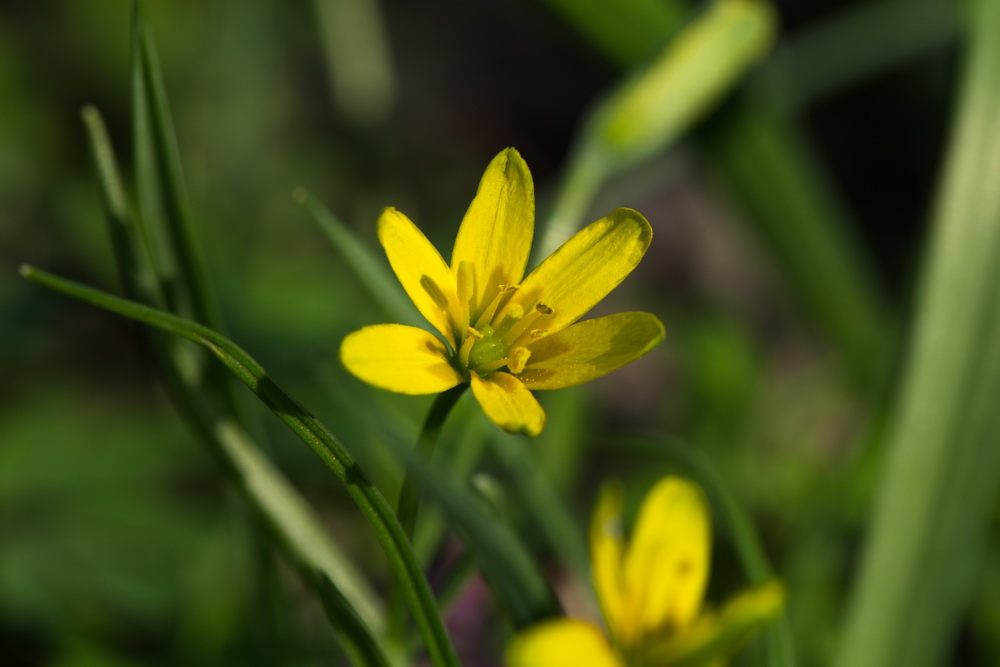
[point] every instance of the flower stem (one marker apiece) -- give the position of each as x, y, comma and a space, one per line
406, 508
409, 501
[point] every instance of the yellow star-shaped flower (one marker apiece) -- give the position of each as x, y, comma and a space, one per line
505, 333
651, 592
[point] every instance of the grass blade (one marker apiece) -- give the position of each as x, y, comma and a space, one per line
368, 498
941, 479
371, 269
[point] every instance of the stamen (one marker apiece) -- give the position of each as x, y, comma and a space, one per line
515, 332
434, 292
471, 336
518, 359
466, 287
487, 316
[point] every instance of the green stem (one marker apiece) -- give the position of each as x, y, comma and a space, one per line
365, 495
409, 501
406, 509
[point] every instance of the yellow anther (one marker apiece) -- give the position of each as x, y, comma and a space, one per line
434, 292
518, 359
472, 333
538, 333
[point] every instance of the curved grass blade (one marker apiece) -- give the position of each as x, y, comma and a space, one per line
371, 270
504, 560
369, 500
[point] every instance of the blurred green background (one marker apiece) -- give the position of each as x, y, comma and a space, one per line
788, 225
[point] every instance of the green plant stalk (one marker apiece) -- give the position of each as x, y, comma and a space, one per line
942, 474
406, 508
369, 500
409, 502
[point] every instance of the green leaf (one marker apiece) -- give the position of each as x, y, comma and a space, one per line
941, 477
369, 500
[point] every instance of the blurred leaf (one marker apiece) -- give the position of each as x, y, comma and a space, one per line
358, 59
629, 34
659, 103
372, 270
940, 482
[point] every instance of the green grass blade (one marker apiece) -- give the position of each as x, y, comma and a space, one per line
768, 169
343, 589
369, 500
628, 34
504, 560
549, 511
941, 478
371, 270
180, 226
811, 75
131, 247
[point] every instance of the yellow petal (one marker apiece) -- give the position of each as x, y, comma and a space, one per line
666, 565
715, 638
399, 358
508, 403
561, 643
606, 549
420, 269
589, 349
495, 235
585, 268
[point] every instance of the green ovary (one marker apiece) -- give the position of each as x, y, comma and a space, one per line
488, 349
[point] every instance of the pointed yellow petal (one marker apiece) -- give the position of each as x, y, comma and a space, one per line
420, 269
666, 565
585, 268
508, 403
606, 548
561, 643
716, 637
399, 358
495, 235
589, 349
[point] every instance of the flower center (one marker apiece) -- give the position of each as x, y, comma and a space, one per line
500, 334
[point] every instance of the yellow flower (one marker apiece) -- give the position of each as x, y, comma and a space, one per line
651, 592
504, 333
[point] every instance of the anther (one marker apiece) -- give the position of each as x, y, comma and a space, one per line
434, 292
518, 359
